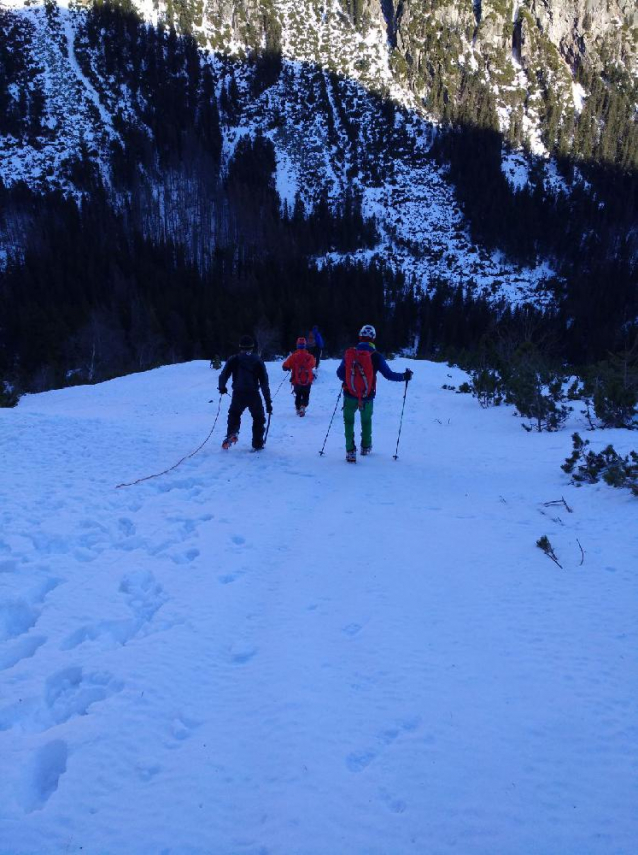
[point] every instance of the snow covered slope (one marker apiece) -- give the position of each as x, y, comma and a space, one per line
281, 653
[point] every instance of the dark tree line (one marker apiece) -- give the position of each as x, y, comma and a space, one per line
589, 234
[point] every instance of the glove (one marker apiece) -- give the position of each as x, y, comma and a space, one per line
407, 376
269, 408
223, 390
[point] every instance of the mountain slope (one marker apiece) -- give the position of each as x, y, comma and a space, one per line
161, 164
330, 136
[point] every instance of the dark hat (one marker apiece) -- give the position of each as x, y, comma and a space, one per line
246, 342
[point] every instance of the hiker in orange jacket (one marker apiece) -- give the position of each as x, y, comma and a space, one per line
301, 364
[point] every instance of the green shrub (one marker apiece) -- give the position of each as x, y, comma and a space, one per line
589, 467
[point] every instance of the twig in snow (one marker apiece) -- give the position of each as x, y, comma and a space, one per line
544, 544
560, 501
582, 552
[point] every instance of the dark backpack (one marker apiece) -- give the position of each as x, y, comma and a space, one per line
359, 380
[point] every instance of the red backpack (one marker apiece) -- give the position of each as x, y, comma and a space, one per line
360, 379
302, 363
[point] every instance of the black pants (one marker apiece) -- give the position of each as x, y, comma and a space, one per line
302, 396
316, 352
238, 404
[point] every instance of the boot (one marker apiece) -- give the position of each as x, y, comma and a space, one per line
230, 440
351, 456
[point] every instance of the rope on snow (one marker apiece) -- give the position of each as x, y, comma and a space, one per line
192, 454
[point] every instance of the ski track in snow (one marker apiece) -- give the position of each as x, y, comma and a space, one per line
281, 653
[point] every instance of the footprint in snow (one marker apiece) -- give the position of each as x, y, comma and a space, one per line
147, 771
357, 761
144, 596
19, 614
352, 629
126, 527
393, 804
143, 592
180, 729
43, 775
241, 653
67, 694
185, 557
23, 648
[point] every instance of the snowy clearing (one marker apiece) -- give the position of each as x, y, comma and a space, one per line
282, 653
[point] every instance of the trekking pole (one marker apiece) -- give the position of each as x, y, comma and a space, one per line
331, 421
267, 428
396, 453
192, 454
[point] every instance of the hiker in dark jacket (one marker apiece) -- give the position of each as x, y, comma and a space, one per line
315, 344
249, 375
359, 389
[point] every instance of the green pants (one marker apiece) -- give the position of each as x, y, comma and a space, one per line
350, 407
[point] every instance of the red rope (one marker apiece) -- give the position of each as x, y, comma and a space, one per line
192, 454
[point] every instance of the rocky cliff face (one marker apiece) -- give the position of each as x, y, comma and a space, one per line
525, 67
527, 55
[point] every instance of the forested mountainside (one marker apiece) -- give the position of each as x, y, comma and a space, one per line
174, 173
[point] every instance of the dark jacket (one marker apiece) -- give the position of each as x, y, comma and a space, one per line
378, 364
248, 374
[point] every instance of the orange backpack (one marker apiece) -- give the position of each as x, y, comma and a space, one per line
302, 365
360, 379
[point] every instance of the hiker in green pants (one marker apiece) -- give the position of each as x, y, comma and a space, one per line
350, 407
358, 371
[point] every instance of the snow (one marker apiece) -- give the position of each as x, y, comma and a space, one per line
579, 95
515, 167
69, 33
283, 653
285, 178
69, 101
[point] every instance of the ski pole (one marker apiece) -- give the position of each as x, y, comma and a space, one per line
396, 453
331, 421
267, 428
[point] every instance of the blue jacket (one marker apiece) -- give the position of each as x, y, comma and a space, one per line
378, 364
318, 337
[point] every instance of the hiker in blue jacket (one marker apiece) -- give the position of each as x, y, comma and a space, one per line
358, 371
314, 341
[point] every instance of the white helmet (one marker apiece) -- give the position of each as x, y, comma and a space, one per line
368, 331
